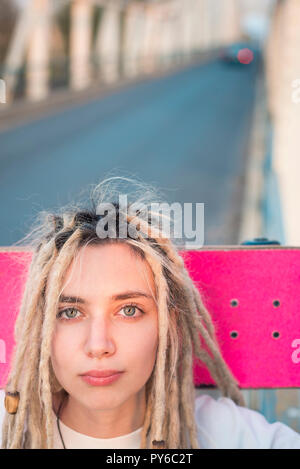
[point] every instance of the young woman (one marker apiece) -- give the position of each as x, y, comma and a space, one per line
105, 339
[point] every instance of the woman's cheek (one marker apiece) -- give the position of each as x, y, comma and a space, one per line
142, 346
64, 344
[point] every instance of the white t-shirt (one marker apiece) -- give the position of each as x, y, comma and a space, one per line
220, 424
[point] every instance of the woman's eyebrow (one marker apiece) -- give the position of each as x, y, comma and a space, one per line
71, 299
118, 296
130, 294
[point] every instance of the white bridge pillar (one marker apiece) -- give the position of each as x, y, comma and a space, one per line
80, 43
108, 42
134, 32
37, 75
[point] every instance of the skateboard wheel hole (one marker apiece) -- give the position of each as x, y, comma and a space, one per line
234, 302
234, 334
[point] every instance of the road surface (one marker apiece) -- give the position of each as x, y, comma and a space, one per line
187, 133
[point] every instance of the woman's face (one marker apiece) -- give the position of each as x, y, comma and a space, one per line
102, 331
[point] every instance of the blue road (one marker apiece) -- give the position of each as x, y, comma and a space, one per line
186, 133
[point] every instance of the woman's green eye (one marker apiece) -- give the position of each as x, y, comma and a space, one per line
129, 307
70, 313
134, 314
72, 310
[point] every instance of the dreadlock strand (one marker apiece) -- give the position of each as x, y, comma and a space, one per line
159, 406
35, 428
187, 387
19, 418
147, 420
62, 262
173, 406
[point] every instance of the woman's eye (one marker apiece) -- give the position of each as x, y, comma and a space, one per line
129, 311
70, 313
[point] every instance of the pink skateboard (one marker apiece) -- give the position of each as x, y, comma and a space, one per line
251, 292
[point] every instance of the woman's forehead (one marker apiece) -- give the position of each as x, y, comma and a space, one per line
109, 269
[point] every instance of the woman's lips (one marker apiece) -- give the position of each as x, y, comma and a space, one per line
96, 381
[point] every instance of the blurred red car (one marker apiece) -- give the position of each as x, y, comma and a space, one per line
238, 53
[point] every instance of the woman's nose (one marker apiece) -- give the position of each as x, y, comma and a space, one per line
99, 340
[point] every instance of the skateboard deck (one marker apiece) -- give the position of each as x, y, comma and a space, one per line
251, 292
